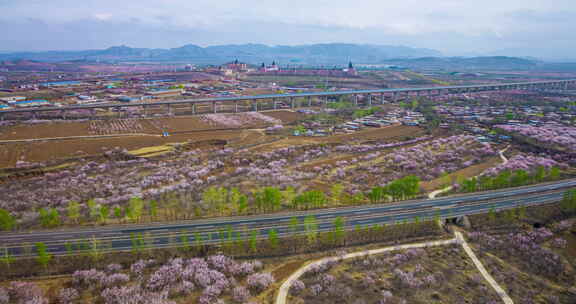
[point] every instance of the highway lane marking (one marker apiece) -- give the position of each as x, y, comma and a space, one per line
529, 201
380, 216
362, 212
503, 193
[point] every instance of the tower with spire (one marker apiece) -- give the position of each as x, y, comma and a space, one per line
350, 71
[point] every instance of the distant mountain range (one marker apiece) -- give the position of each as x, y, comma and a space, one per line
332, 53
468, 63
313, 54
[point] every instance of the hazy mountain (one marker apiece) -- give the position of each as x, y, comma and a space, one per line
468, 63
251, 53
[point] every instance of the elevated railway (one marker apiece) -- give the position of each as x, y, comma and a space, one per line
269, 101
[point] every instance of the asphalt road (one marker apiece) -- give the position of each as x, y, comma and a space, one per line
166, 235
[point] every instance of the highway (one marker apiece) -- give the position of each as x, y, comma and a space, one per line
167, 234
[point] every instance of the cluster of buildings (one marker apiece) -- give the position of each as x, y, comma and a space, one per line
376, 120
478, 119
189, 82
274, 69
382, 119
11, 102
240, 69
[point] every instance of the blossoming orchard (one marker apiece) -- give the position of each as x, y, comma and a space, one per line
432, 196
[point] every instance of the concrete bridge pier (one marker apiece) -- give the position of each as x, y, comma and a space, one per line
356, 100
274, 105
382, 98
292, 103
236, 107
214, 109
309, 101
255, 105
369, 100
63, 114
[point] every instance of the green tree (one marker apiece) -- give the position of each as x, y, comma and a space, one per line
540, 174
568, 203
311, 228
117, 212
554, 173
49, 218
268, 199
153, 205
96, 250
104, 213
43, 256
137, 241
214, 197
135, 207
198, 241
336, 193
377, 194
242, 204
294, 223
311, 199
74, 211
93, 209
492, 214
184, 241
69, 248
273, 238
521, 212
288, 195
254, 241
234, 196
339, 229
5, 257
7, 221
414, 104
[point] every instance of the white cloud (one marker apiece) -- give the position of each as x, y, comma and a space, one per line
441, 24
103, 16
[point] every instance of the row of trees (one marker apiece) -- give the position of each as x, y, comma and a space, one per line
304, 233
90, 212
404, 188
270, 199
509, 178
568, 203
220, 201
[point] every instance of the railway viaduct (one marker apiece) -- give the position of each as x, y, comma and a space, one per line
267, 102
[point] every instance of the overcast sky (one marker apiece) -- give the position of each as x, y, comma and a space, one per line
543, 28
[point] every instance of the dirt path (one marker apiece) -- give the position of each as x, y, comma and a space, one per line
435, 193
282, 295
501, 292
15, 141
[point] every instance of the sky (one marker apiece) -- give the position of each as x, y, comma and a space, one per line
537, 28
